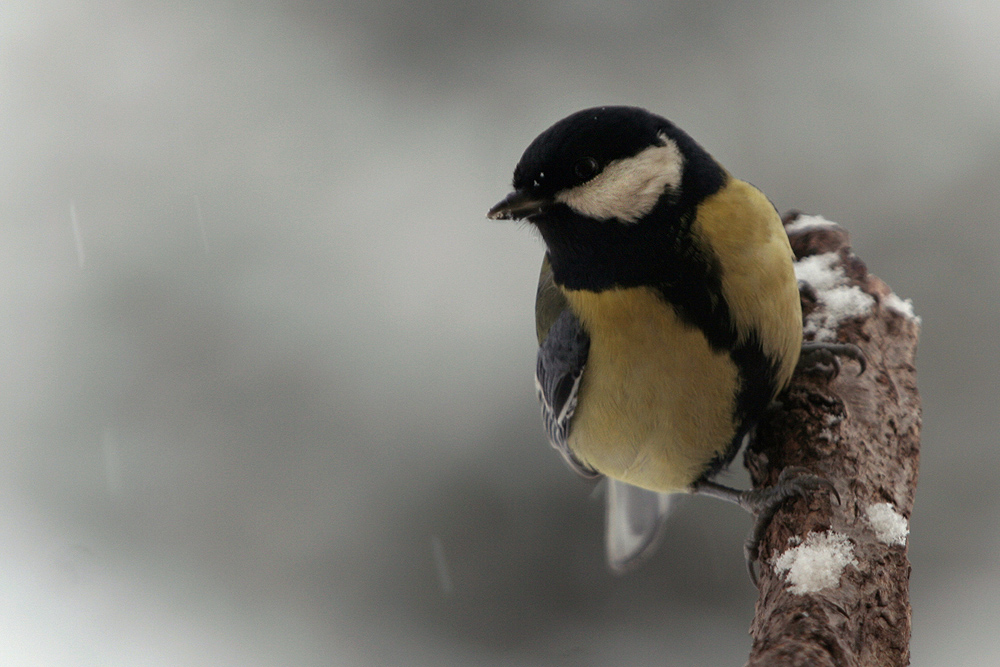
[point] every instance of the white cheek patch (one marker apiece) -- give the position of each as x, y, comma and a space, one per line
628, 189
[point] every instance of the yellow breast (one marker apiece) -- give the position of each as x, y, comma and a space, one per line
656, 402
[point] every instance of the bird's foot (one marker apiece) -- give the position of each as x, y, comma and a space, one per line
823, 358
764, 503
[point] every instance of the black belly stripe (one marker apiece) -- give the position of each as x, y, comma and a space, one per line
698, 299
696, 304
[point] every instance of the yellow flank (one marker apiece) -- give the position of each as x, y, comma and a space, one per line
656, 402
758, 281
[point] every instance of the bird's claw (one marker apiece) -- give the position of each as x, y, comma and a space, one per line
764, 503
814, 355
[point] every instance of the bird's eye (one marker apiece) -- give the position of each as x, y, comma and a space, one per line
586, 168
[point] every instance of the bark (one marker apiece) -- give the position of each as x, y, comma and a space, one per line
863, 434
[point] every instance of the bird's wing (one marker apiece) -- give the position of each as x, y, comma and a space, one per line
549, 302
562, 356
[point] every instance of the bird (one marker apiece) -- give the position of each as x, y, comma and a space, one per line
667, 316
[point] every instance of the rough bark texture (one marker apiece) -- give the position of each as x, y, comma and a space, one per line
863, 434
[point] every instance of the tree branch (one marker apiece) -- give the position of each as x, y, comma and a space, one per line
841, 595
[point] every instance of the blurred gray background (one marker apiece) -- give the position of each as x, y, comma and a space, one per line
267, 368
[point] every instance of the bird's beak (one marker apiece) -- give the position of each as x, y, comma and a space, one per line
517, 206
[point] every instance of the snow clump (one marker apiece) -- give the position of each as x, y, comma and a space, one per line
816, 563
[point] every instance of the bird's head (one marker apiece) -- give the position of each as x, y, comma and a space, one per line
607, 164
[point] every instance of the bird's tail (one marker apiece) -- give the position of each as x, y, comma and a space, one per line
635, 523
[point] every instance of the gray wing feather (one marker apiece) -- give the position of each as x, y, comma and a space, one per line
562, 357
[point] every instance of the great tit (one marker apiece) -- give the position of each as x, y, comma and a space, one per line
667, 316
